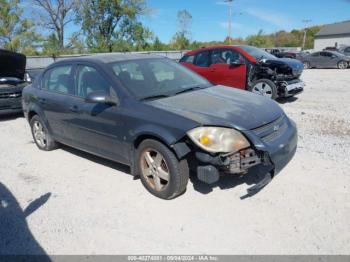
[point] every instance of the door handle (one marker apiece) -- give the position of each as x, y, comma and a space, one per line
74, 109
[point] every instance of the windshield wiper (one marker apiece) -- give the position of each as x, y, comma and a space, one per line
153, 97
189, 90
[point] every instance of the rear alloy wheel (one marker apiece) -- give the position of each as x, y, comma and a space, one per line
41, 136
265, 88
161, 173
342, 65
306, 65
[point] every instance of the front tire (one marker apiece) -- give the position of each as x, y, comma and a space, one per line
41, 135
161, 173
264, 87
307, 65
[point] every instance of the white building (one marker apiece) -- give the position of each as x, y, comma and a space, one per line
336, 35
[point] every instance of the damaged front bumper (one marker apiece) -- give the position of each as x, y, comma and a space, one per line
290, 88
272, 147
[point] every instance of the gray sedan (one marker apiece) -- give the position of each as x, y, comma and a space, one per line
327, 59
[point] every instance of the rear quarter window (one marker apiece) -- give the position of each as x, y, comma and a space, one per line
187, 59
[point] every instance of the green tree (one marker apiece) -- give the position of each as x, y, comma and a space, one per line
157, 45
181, 39
16, 33
109, 24
260, 40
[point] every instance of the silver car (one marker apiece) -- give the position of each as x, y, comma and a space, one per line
327, 59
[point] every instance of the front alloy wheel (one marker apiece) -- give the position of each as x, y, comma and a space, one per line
155, 169
161, 173
264, 87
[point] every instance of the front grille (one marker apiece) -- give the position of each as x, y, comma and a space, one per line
272, 131
10, 95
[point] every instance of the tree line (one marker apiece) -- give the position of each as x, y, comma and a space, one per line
108, 26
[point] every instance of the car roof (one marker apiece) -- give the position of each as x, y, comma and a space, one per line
109, 58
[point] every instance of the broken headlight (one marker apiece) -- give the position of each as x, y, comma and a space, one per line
218, 139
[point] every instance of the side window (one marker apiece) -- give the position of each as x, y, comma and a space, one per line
202, 59
90, 80
315, 54
188, 59
326, 54
347, 50
225, 56
59, 79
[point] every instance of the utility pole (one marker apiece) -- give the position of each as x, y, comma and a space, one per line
305, 21
229, 3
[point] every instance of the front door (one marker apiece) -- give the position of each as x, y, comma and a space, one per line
97, 126
228, 68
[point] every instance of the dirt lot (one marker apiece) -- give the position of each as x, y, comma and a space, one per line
85, 205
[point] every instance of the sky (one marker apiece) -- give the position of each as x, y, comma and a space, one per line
210, 17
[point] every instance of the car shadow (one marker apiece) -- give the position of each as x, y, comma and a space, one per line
9, 117
253, 177
98, 160
16, 238
285, 100
229, 181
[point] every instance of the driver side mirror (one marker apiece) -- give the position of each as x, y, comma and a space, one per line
236, 63
100, 97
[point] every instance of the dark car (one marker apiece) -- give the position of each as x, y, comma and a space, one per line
247, 67
12, 66
158, 117
294, 55
327, 59
345, 50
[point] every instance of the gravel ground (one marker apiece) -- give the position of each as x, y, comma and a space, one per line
69, 202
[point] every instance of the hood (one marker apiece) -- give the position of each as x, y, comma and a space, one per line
12, 64
285, 66
222, 106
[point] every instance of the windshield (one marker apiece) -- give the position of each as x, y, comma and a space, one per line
257, 53
156, 78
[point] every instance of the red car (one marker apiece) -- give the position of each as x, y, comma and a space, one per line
247, 67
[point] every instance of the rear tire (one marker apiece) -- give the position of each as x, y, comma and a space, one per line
264, 87
161, 173
342, 65
41, 135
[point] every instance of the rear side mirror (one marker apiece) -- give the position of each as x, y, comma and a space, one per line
99, 97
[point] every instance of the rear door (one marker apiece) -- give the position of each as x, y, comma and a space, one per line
57, 100
228, 67
199, 63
